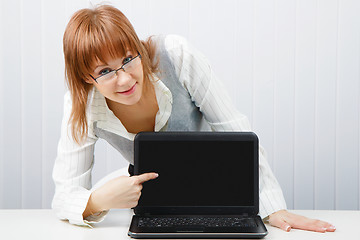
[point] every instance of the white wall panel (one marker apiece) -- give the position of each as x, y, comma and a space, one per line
325, 105
305, 66
244, 64
53, 26
201, 31
2, 116
264, 42
223, 40
140, 17
284, 92
11, 101
347, 120
291, 66
180, 20
164, 24
31, 107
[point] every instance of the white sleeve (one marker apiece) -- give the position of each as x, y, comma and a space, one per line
72, 174
208, 93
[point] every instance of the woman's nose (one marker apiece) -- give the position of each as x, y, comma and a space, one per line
122, 77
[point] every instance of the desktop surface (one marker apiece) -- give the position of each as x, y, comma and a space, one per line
43, 224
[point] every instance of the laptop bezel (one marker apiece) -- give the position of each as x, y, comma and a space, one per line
200, 136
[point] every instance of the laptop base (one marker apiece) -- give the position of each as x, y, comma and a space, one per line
186, 232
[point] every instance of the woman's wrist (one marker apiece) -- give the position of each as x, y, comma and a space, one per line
93, 206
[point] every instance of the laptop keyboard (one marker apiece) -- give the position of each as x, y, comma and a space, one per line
196, 221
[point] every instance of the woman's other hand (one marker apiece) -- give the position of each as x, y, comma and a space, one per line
286, 220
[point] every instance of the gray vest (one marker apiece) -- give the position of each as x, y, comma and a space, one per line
185, 115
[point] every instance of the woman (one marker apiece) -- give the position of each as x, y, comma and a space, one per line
119, 86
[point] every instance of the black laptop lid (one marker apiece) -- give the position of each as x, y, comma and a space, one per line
199, 172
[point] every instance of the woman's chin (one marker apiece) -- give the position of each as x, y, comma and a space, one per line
128, 101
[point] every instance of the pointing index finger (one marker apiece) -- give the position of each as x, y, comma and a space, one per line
146, 177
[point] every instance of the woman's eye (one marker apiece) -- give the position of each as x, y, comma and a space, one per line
105, 71
127, 59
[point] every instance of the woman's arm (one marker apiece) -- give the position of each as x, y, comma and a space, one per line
72, 173
208, 93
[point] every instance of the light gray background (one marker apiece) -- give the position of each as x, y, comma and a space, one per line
291, 66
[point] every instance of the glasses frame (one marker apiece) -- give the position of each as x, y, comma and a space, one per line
116, 70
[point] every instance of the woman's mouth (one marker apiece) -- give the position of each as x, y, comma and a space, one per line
129, 91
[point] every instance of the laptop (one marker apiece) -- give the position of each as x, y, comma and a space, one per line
208, 185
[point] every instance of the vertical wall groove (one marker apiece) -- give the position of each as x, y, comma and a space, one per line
275, 72
43, 158
336, 100
1, 113
274, 64
358, 80
294, 102
22, 98
358, 73
315, 100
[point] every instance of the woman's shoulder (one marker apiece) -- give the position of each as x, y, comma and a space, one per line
178, 50
169, 42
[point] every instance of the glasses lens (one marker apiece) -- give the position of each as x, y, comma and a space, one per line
106, 77
130, 66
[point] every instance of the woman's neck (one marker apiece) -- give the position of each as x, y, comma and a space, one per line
140, 116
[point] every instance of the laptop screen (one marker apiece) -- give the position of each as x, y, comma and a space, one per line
201, 172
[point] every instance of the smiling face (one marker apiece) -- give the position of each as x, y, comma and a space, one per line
120, 80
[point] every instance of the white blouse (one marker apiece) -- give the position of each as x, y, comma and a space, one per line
74, 163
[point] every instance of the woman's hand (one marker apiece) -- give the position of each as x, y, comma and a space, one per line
120, 192
286, 220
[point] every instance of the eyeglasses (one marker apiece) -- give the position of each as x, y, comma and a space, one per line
128, 67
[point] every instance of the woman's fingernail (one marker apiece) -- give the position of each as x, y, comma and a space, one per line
286, 227
332, 227
323, 229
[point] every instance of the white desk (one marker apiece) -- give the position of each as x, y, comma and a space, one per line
43, 224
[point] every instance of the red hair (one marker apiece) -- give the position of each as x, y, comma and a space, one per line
91, 35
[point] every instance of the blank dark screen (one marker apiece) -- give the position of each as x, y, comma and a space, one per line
194, 173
